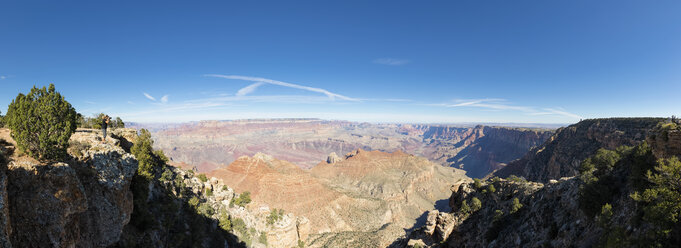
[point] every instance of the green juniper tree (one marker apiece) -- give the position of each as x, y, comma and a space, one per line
42, 123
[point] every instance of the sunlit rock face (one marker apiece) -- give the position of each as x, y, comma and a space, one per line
478, 150
365, 194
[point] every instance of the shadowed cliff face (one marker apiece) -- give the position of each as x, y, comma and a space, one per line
600, 207
562, 154
478, 150
84, 202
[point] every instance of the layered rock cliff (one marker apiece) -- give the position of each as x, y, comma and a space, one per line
207, 145
562, 154
609, 203
482, 149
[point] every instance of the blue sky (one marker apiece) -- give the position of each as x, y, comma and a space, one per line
377, 61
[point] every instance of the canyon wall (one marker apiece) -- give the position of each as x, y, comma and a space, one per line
479, 150
562, 154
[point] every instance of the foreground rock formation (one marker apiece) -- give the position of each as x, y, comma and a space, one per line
85, 202
565, 150
479, 150
597, 207
365, 198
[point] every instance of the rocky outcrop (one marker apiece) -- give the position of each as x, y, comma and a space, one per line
284, 232
108, 195
562, 154
569, 211
81, 203
544, 212
333, 158
45, 204
667, 139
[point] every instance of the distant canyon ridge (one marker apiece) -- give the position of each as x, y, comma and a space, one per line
208, 145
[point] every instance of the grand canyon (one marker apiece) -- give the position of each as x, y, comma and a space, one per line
208, 145
358, 124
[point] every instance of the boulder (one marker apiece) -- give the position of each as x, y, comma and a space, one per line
431, 221
444, 227
333, 158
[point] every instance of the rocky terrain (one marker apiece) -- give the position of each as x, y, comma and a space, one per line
91, 201
84, 202
599, 206
569, 146
207, 145
363, 198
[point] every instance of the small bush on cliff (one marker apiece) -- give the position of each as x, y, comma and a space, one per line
476, 204
239, 225
275, 215
263, 238
662, 201
242, 200
491, 188
498, 214
465, 209
516, 205
515, 178
605, 216
167, 175
194, 202
477, 184
205, 209
42, 123
76, 148
224, 221
149, 160
202, 177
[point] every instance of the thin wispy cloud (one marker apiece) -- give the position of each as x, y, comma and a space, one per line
330, 95
489, 103
502, 104
164, 99
248, 89
391, 61
149, 96
551, 111
90, 102
3, 77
